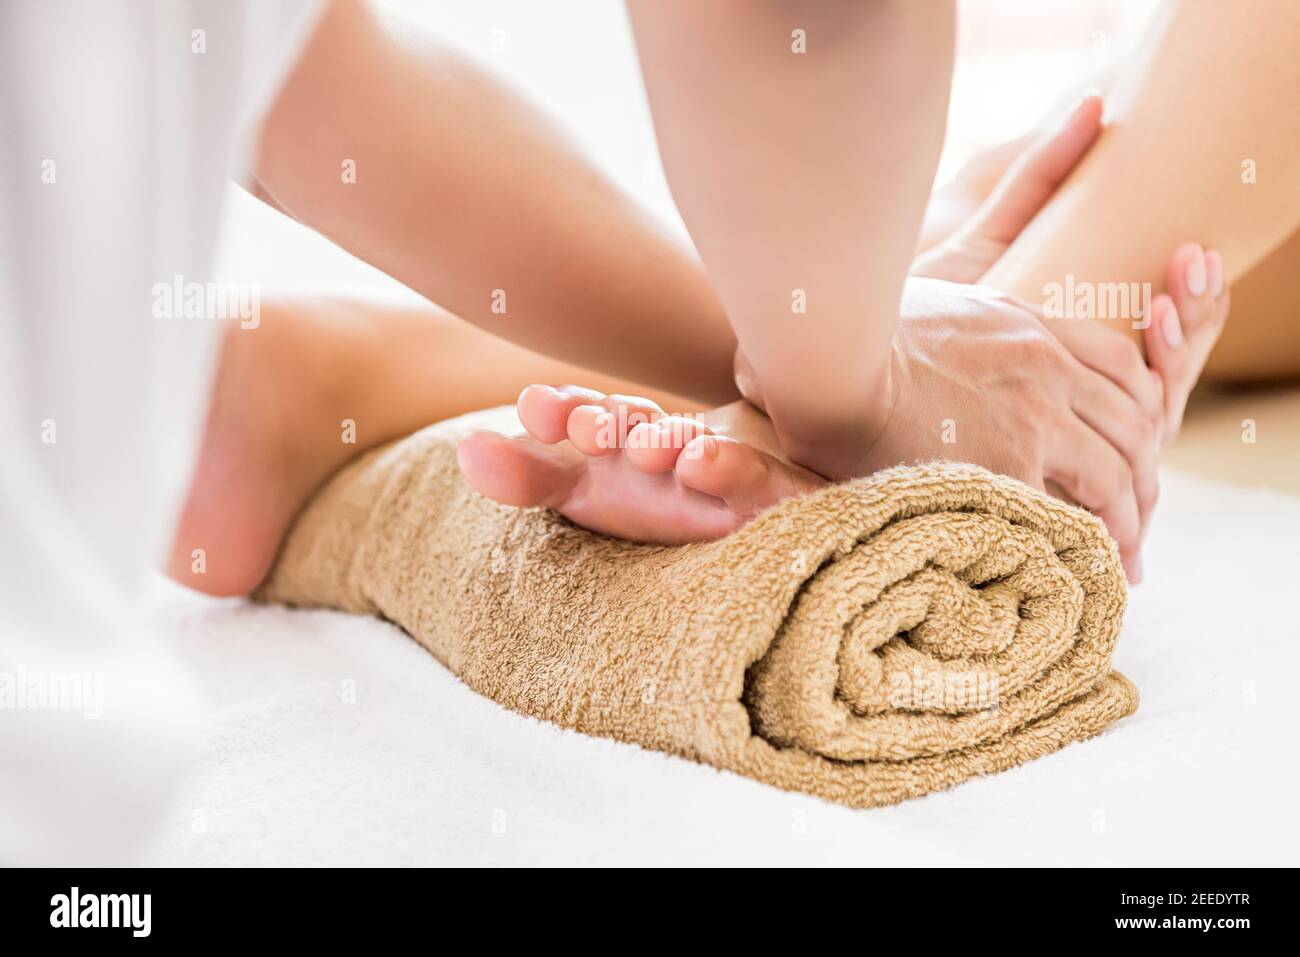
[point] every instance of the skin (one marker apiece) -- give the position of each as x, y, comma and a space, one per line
273, 431
943, 356
282, 390
590, 278
778, 165
639, 306
1206, 92
443, 202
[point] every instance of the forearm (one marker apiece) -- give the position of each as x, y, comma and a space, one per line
470, 195
803, 177
1202, 142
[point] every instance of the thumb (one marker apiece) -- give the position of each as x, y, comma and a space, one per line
1035, 175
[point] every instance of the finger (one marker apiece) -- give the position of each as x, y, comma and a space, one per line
1024, 188
1167, 351
1214, 272
1094, 474
1187, 319
1114, 355
1037, 173
1113, 415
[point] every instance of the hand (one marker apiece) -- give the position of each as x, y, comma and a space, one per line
962, 257
979, 377
1161, 391
1063, 405
1026, 186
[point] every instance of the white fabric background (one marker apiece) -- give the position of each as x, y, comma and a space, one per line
143, 132
420, 770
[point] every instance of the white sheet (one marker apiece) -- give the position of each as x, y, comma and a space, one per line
419, 770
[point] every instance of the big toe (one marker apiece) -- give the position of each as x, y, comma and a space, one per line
518, 471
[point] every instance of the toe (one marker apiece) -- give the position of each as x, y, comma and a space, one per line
630, 411
518, 471
602, 428
745, 478
655, 446
593, 430
544, 410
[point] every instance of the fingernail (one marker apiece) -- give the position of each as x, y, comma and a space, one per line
1214, 268
1088, 94
708, 446
1171, 327
1196, 275
1084, 97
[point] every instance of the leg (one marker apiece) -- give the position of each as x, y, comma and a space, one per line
1197, 112
285, 392
598, 474
1261, 344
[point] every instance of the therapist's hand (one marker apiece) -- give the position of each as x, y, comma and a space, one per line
979, 377
1023, 190
1158, 384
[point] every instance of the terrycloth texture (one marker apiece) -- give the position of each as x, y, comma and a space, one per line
848, 644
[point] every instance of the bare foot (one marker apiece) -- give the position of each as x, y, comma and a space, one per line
265, 450
618, 465
1185, 325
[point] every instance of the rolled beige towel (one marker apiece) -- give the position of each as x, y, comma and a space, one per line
872, 642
